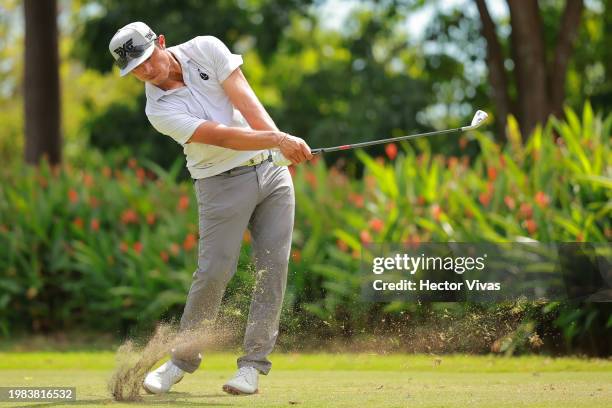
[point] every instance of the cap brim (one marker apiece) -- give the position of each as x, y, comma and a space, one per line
136, 62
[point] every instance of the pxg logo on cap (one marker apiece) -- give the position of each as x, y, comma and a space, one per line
131, 45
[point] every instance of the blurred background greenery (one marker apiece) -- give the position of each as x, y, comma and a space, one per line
109, 227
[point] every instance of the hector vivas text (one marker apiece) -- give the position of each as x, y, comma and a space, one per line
405, 263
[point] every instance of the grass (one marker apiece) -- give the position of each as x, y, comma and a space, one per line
338, 380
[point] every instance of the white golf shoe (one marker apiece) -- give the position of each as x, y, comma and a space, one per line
244, 382
161, 380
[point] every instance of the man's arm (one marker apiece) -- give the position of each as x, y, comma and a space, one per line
265, 134
237, 138
244, 99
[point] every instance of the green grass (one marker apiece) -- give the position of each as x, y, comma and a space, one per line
339, 380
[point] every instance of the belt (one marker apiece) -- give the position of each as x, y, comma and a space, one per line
253, 161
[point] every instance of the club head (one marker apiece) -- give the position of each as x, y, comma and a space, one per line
479, 118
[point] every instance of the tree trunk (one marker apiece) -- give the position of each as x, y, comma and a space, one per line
568, 30
497, 72
529, 63
41, 82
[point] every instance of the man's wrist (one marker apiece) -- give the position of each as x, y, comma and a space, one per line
280, 139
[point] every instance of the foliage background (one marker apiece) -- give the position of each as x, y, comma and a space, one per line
112, 232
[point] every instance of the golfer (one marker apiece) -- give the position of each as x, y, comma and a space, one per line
197, 94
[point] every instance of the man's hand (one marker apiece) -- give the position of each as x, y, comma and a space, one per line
294, 148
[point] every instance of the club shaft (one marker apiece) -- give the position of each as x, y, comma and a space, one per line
383, 141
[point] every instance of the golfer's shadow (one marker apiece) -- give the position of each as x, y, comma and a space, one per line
166, 399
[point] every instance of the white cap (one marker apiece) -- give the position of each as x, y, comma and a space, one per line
131, 38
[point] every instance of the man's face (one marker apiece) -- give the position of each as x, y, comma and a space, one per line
156, 68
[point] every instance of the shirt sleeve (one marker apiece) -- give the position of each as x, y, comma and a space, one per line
221, 59
178, 125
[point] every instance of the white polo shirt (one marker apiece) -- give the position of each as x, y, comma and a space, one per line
206, 62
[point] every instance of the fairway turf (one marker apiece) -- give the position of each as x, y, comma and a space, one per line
337, 380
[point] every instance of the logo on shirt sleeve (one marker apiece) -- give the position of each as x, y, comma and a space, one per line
203, 75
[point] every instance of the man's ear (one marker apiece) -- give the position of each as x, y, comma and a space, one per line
161, 40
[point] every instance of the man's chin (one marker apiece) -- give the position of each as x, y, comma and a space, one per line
156, 80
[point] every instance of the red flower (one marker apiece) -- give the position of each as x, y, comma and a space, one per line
436, 212
129, 216
377, 224
164, 256
138, 247
356, 199
365, 236
150, 218
492, 173
190, 242
311, 179
123, 246
531, 226
107, 172
391, 151
542, 199
183, 203
132, 163
88, 180
342, 245
174, 249
484, 198
78, 223
73, 196
296, 255
509, 202
95, 224
246, 237
526, 211
140, 174
420, 200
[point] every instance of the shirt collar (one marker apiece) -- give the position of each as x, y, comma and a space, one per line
155, 93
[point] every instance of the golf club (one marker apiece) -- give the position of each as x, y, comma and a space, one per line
479, 118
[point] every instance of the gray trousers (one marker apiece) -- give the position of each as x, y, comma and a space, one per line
260, 198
